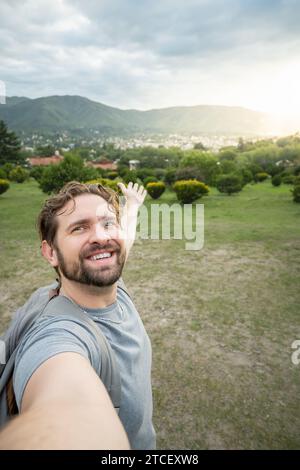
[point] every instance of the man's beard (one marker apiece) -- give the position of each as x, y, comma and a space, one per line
101, 277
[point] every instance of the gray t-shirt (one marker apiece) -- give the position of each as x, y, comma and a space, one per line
124, 330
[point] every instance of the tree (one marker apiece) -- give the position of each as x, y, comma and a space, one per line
205, 162
9, 146
229, 184
199, 146
45, 150
71, 168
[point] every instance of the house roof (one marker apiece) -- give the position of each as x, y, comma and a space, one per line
104, 165
43, 161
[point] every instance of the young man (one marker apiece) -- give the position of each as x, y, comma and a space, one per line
62, 402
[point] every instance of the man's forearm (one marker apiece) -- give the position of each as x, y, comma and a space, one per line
65, 426
129, 223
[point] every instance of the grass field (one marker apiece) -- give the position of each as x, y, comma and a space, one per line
221, 320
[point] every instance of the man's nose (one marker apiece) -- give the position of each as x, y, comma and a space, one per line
99, 233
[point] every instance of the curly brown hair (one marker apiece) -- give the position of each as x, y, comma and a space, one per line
47, 220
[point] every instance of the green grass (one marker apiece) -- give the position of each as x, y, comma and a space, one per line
221, 320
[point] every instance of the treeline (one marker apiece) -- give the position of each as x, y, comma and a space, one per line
229, 169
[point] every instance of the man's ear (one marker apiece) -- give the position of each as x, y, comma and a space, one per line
49, 253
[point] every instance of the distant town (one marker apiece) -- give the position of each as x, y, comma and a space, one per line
67, 141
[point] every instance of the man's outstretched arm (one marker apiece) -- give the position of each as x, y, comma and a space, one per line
134, 197
65, 406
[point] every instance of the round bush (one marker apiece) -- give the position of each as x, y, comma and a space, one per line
4, 185
296, 193
276, 180
187, 191
156, 189
259, 177
18, 174
150, 179
229, 184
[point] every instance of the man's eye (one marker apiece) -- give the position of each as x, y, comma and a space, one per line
110, 223
80, 228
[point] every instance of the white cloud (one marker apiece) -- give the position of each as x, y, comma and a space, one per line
146, 54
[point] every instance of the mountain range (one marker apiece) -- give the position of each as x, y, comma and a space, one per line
71, 113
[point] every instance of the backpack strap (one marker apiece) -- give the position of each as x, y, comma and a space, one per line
109, 373
121, 285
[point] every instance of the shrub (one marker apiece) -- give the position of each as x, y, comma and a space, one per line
112, 175
288, 179
296, 193
276, 180
143, 173
259, 177
156, 189
70, 169
130, 175
150, 179
246, 175
3, 174
4, 185
229, 184
7, 167
187, 191
122, 170
37, 172
188, 173
170, 176
18, 174
159, 173
112, 184
297, 180
286, 172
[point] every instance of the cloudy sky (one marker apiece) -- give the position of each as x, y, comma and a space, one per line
154, 53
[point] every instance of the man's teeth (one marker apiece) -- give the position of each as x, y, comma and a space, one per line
100, 256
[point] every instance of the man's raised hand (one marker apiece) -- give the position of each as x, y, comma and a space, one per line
134, 194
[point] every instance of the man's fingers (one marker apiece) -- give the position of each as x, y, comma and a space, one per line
122, 187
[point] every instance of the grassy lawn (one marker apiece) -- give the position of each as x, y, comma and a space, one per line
221, 319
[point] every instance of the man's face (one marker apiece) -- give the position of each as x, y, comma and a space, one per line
88, 244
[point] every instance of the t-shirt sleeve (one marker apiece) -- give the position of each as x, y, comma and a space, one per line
47, 339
